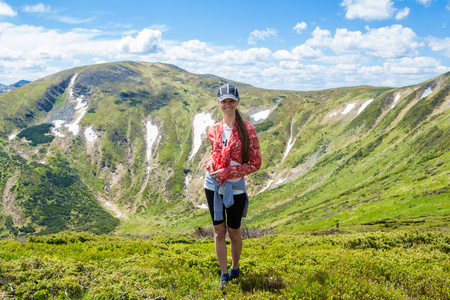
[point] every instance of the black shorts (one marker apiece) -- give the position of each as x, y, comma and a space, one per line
234, 212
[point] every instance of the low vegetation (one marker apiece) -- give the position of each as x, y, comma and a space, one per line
37, 134
378, 265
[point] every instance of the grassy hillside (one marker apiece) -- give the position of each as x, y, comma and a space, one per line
395, 265
357, 158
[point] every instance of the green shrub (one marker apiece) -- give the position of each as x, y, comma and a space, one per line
37, 134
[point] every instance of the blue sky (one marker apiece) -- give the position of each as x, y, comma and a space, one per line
284, 44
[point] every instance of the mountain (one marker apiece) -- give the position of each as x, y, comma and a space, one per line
20, 83
120, 147
6, 88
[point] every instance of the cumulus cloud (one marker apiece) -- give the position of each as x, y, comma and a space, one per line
6, 10
6, 53
416, 65
148, 40
306, 52
46, 52
243, 57
299, 53
300, 27
261, 35
368, 10
402, 13
387, 42
380, 56
193, 50
441, 45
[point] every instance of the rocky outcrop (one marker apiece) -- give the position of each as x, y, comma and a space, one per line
46, 102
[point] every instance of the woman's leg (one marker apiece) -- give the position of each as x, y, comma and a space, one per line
220, 244
235, 246
234, 218
220, 232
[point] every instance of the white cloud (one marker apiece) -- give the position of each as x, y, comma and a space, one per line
425, 2
6, 10
299, 53
440, 45
416, 65
148, 40
261, 35
402, 13
193, 50
243, 57
46, 52
386, 42
70, 20
9, 54
380, 56
51, 13
38, 8
368, 10
300, 27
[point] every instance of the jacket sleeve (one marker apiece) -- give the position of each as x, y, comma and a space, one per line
215, 153
252, 166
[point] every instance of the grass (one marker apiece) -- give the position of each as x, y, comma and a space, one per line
394, 265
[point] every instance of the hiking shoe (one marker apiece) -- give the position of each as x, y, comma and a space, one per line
234, 273
224, 281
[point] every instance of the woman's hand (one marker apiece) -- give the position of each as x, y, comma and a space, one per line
217, 174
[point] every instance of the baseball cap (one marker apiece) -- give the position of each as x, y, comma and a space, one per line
227, 91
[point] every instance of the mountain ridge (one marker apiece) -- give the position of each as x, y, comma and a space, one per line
127, 129
6, 88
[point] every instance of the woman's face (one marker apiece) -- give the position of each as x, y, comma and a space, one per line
228, 106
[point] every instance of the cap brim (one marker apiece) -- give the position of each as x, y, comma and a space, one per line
227, 96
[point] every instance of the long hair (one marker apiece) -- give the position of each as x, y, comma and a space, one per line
243, 136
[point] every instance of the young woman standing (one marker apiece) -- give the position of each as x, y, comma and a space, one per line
235, 153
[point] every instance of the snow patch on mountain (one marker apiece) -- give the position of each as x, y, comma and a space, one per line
90, 134
426, 92
333, 115
397, 97
203, 206
281, 180
365, 104
81, 110
152, 136
266, 187
348, 108
72, 81
262, 115
201, 122
57, 125
289, 147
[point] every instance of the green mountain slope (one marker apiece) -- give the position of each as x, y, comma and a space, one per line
133, 136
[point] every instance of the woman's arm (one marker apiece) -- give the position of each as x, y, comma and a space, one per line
215, 153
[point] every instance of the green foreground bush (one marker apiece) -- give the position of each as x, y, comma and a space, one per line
395, 265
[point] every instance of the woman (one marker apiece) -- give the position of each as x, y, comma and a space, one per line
235, 153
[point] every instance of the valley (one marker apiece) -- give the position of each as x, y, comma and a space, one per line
134, 137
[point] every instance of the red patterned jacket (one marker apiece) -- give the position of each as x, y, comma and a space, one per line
220, 156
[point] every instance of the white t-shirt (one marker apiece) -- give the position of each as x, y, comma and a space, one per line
225, 138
